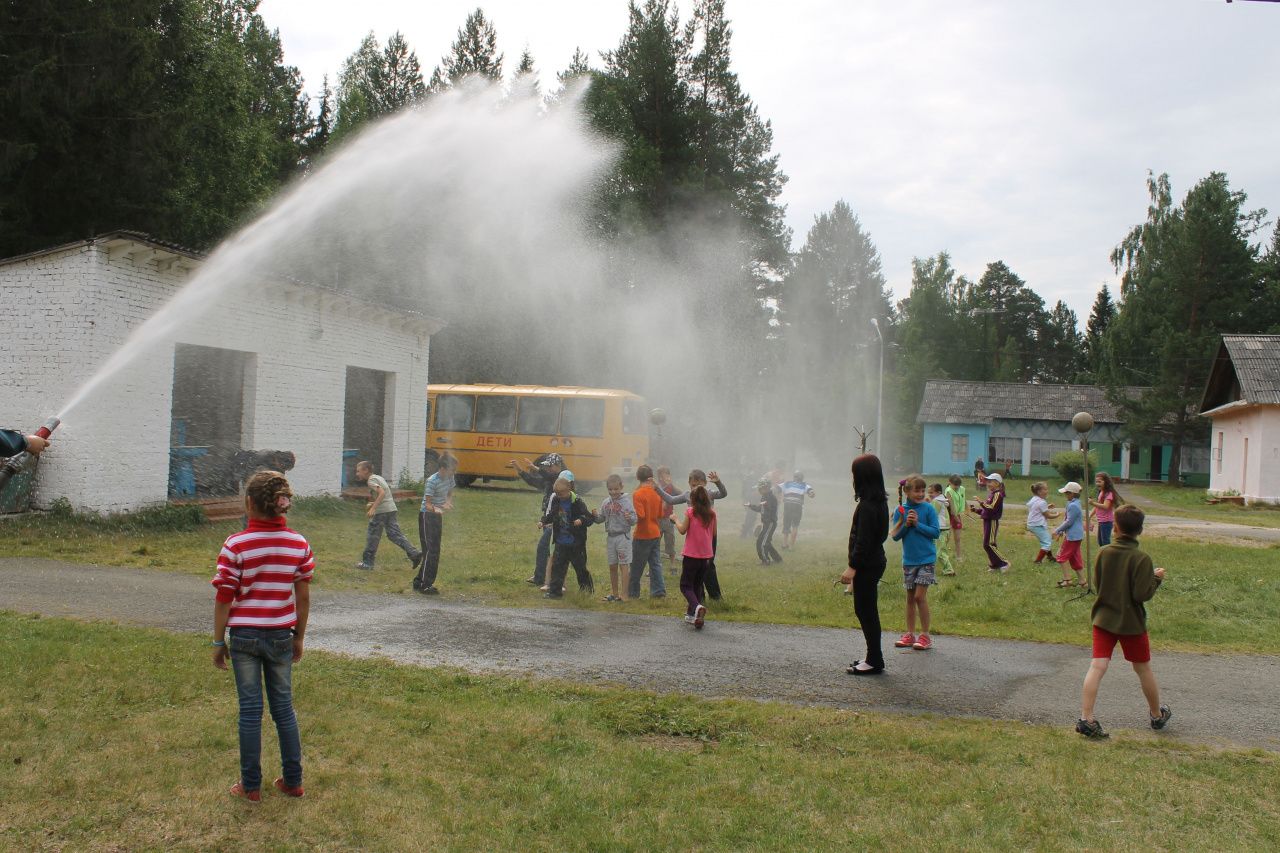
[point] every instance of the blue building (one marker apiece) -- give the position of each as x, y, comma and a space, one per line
1026, 425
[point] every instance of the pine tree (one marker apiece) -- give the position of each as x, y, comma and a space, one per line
399, 78
1100, 317
1060, 355
524, 81
474, 52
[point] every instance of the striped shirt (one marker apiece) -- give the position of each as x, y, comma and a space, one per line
257, 569
436, 491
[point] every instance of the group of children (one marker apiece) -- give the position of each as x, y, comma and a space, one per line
437, 499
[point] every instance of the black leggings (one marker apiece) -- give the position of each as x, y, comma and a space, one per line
764, 543
866, 608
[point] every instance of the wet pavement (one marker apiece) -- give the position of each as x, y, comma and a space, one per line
1226, 700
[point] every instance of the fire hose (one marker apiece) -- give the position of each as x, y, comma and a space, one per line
20, 462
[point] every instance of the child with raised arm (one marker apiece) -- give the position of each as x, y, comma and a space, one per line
955, 496
263, 599
698, 527
1072, 527
698, 477
992, 509
618, 515
568, 518
915, 524
437, 499
1125, 580
1039, 511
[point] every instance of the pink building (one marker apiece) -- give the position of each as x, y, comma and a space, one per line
1242, 398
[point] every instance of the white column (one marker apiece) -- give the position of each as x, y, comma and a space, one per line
1026, 456
1124, 461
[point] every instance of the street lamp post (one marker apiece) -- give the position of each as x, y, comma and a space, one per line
879, 392
1083, 423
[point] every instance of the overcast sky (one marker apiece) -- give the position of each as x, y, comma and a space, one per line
1005, 130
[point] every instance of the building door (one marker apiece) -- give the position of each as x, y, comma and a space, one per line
364, 422
207, 419
1157, 463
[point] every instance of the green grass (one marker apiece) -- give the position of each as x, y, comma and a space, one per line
1216, 598
123, 739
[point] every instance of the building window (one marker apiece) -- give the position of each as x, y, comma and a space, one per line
1044, 449
1117, 452
959, 447
1003, 450
1135, 453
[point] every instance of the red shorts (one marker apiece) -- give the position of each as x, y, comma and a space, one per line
1136, 647
1070, 553
956, 523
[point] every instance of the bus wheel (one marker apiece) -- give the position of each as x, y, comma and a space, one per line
464, 480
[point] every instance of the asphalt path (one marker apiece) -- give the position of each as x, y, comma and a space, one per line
1221, 700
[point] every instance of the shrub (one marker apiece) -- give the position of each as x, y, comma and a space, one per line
164, 517
1070, 464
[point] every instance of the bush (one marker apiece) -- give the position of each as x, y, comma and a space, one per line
165, 517
1070, 464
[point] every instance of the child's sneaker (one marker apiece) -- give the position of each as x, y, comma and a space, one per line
688, 617
1159, 722
699, 616
906, 641
364, 567
254, 796
288, 791
922, 643
428, 590
1091, 729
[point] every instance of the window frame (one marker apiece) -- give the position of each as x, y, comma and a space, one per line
523, 400
441, 407
573, 402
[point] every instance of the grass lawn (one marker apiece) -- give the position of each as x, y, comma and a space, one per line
1216, 597
120, 738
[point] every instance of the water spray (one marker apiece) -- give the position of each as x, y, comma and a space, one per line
20, 462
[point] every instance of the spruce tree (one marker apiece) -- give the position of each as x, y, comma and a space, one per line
474, 52
1100, 317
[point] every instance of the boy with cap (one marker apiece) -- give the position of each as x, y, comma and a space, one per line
1072, 527
1125, 578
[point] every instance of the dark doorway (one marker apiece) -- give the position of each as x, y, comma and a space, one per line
1157, 462
364, 421
206, 426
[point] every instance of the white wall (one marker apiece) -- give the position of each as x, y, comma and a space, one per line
66, 312
1254, 473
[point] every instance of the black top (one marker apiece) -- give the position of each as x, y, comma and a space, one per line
11, 443
768, 507
867, 534
555, 517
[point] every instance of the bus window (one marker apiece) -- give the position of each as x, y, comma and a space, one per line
495, 414
583, 417
634, 419
453, 412
538, 416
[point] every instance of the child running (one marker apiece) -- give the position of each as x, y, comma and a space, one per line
618, 515
568, 518
437, 499
768, 509
991, 510
1103, 509
1038, 511
1125, 580
698, 527
698, 477
915, 524
1072, 527
794, 491
942, 507
381, 510
955, 496
264, 598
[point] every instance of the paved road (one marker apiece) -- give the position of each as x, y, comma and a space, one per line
1220, 700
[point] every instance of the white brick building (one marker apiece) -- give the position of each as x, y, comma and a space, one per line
294, 367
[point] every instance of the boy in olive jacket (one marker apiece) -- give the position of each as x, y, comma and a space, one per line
1124, 578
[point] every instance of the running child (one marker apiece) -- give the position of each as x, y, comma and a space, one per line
698, 477
1103, 509
942, 507
1038, 511
915, 524
794, 491
1125, 579
263, 599
568, 518
955, 496
618, 515
698, 527
1072, 527
768, 509
991, 511
381, 511
437, 499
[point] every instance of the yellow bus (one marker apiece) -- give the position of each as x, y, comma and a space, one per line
598, 431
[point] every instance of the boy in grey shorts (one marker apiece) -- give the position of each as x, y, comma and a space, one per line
618, 514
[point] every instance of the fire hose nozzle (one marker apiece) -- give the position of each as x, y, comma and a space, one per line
49, 426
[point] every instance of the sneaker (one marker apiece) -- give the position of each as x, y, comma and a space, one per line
288, 791
417, 561
1091, 729
688, 617
906, 641
364, 567
699, 616
1005, 567
1159, 722
922, 643
237, 790
429, 590
417, 583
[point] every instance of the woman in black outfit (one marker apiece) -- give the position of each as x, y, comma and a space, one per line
866, 556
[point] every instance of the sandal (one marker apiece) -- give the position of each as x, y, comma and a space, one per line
1065, 584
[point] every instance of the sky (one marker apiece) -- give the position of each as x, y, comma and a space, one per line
1001, 130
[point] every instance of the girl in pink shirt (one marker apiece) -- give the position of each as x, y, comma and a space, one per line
1104, 507
698, 527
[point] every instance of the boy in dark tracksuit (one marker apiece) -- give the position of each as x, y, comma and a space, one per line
568, 517
768, 509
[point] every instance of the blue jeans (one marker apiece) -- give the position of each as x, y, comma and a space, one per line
1104, 532
646, 551
258, 654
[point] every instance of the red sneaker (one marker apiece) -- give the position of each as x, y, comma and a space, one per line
923, 643
906, 641
237, 790
287, 791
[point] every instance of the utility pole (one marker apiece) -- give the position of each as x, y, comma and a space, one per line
879, 396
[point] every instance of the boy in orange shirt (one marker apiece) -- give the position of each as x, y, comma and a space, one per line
647, 537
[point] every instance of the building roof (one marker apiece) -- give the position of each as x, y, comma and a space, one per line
951, 401
1246, 371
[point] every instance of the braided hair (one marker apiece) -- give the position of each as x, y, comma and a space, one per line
269, 493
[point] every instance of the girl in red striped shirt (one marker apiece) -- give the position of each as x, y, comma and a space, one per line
263, 598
